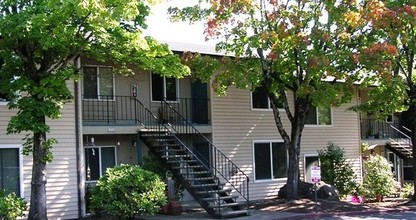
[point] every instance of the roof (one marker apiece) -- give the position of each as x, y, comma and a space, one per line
195, 48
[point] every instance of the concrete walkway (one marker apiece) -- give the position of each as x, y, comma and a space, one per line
192, 210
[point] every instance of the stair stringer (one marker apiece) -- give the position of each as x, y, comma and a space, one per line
216, 191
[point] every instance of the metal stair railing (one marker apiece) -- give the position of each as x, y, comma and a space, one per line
407, 139
400, 142
221, 165
151, 122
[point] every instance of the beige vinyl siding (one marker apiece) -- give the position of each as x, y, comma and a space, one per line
236, 126
62, 193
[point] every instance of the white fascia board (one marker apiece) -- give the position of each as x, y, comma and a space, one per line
208, 49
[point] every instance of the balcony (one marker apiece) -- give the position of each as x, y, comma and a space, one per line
378, 129
125, 110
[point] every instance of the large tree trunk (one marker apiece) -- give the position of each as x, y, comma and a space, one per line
292, 143
38, 185
413, 139
409, 117
411, 122
293, 172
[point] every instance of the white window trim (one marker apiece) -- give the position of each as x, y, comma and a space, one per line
269, 109
304, 162
317, 120
100, 167
392, 119
8, 146
271, 159
164, 89
98, 82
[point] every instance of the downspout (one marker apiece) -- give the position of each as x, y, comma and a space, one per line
79, 147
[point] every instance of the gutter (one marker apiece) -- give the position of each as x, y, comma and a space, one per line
78, 146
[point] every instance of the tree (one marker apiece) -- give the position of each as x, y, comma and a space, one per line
39, 41
301, 48
393, 25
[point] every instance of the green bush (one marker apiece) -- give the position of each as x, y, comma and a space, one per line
127, 191
11, 206
335, 170
407, 190
378, 180
153, 164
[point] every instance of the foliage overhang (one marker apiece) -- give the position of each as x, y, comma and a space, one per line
293, 44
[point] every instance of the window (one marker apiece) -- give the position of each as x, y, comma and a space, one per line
319, 116
407, 169
164, 88
3, 97
98, 82
10, 170
97, 160
390, 119
270, 160
260, 99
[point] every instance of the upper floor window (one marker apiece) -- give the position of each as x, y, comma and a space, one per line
98, 82
319, 116
3, 98
10, 170
97, 160
164, 88
270, 160
390, 118
260, 99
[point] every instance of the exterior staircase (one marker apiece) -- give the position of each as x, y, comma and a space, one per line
401, 146
217, 184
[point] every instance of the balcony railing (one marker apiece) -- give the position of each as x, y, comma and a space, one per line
195, 111
110, 110
124, 110
378, 129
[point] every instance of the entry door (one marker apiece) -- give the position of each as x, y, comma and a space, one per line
395, 165
202, 151
199, 92
310, 161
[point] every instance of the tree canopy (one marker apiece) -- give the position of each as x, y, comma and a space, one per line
316, 51
39, 42
393, 24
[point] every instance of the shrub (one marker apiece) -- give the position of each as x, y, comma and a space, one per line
379, 180
11, 206
127, 191
335, 170
407, 190
153, 164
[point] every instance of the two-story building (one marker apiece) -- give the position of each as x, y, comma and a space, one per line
234, 134
225, 150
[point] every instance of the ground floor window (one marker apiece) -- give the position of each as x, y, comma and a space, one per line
10, 168
270, 160
97, 160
